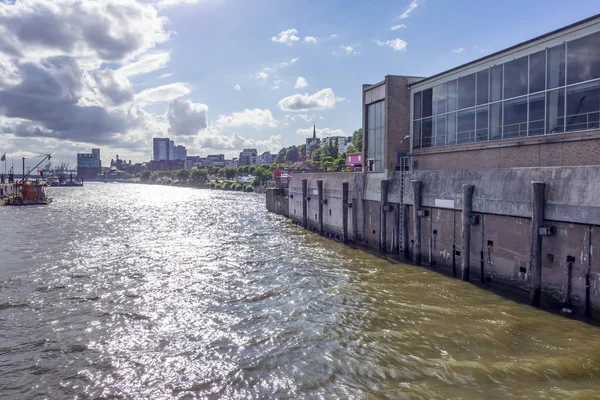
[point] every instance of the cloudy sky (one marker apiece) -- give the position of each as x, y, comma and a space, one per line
221, 75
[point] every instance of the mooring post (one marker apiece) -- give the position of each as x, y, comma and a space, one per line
396, 230
466, 231
305, 203
416, 186
345, 205
320, 199
537, 220
382, 215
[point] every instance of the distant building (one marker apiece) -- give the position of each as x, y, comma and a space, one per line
343, 142
312, 143
161, 147
89, 165
216, 157
179, 153
171, 155
267, 158
248, 157
231, 163
354, 160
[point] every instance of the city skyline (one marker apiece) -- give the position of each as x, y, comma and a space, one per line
261, 82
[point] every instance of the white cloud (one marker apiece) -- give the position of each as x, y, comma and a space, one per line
237, 88
186, 117
256, 118
322, 100
394, 44
351, 49
163, 93
334, 36
169, 3
214, 140
146, 63
301, 83
341, 99
321, 132
165, 75
458, 51
262, 76
298, 117
411, 7
285, 64
288, 37
276, 84
396, 27
310, 40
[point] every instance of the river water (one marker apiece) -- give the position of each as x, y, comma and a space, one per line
151, 292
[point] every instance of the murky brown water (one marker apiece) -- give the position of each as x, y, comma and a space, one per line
125, 291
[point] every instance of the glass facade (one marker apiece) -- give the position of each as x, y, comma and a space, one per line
555, 90
375, 136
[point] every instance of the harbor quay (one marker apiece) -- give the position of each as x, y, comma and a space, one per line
487, 172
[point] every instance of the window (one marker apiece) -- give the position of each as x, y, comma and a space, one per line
481, 134
452, 95
496, 83
440, 130
439, 99
537, 110
537, 72
583, 59
556, 66
417, 134
375, 135
451, 128
555, 111
495, 121
483, 82
426, 133
583, 106
466, 91
427, 103
417, 105
515, 78
466, 126
515, 118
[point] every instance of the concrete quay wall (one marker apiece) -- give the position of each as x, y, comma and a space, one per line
494, 226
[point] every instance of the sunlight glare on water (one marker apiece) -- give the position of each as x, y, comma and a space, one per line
134, 291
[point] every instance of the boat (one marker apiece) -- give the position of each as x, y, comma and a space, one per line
28, 194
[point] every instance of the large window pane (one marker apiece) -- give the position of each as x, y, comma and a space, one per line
427, 102
439, 99
483, 81
481, 134
496, 83
495, 121
583, 59
465, 126
556, 66
452, 95
555, 111
466, 91
417, 105
451, 128
583, 106
426, 133
537, 71
515, 78
537, 109
515, 118
440, 130
417, 134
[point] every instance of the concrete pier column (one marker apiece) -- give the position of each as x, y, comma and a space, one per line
345, 205
320, 199
385, 184
537, 220
305, 203
396, 230
405, 214
466, 231
416, 186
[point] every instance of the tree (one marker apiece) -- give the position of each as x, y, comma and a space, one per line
357, 138
292, 154
316, 154
302, 149
263, 173
229, 172
339, 161
280, 159
197, 176
331, 149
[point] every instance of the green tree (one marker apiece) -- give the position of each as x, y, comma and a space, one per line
316, 154
263, 173
292, 154
302, 149
229, 172
145, 176
197, 176
357, 138
280, 159
339, 161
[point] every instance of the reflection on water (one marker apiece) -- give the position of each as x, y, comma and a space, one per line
151, 292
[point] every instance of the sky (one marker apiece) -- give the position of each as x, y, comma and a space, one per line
221, 75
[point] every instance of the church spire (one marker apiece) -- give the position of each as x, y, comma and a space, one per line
314, 131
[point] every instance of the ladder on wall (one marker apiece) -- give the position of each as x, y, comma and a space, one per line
404, 168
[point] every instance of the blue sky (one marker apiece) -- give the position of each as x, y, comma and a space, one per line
178, 79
